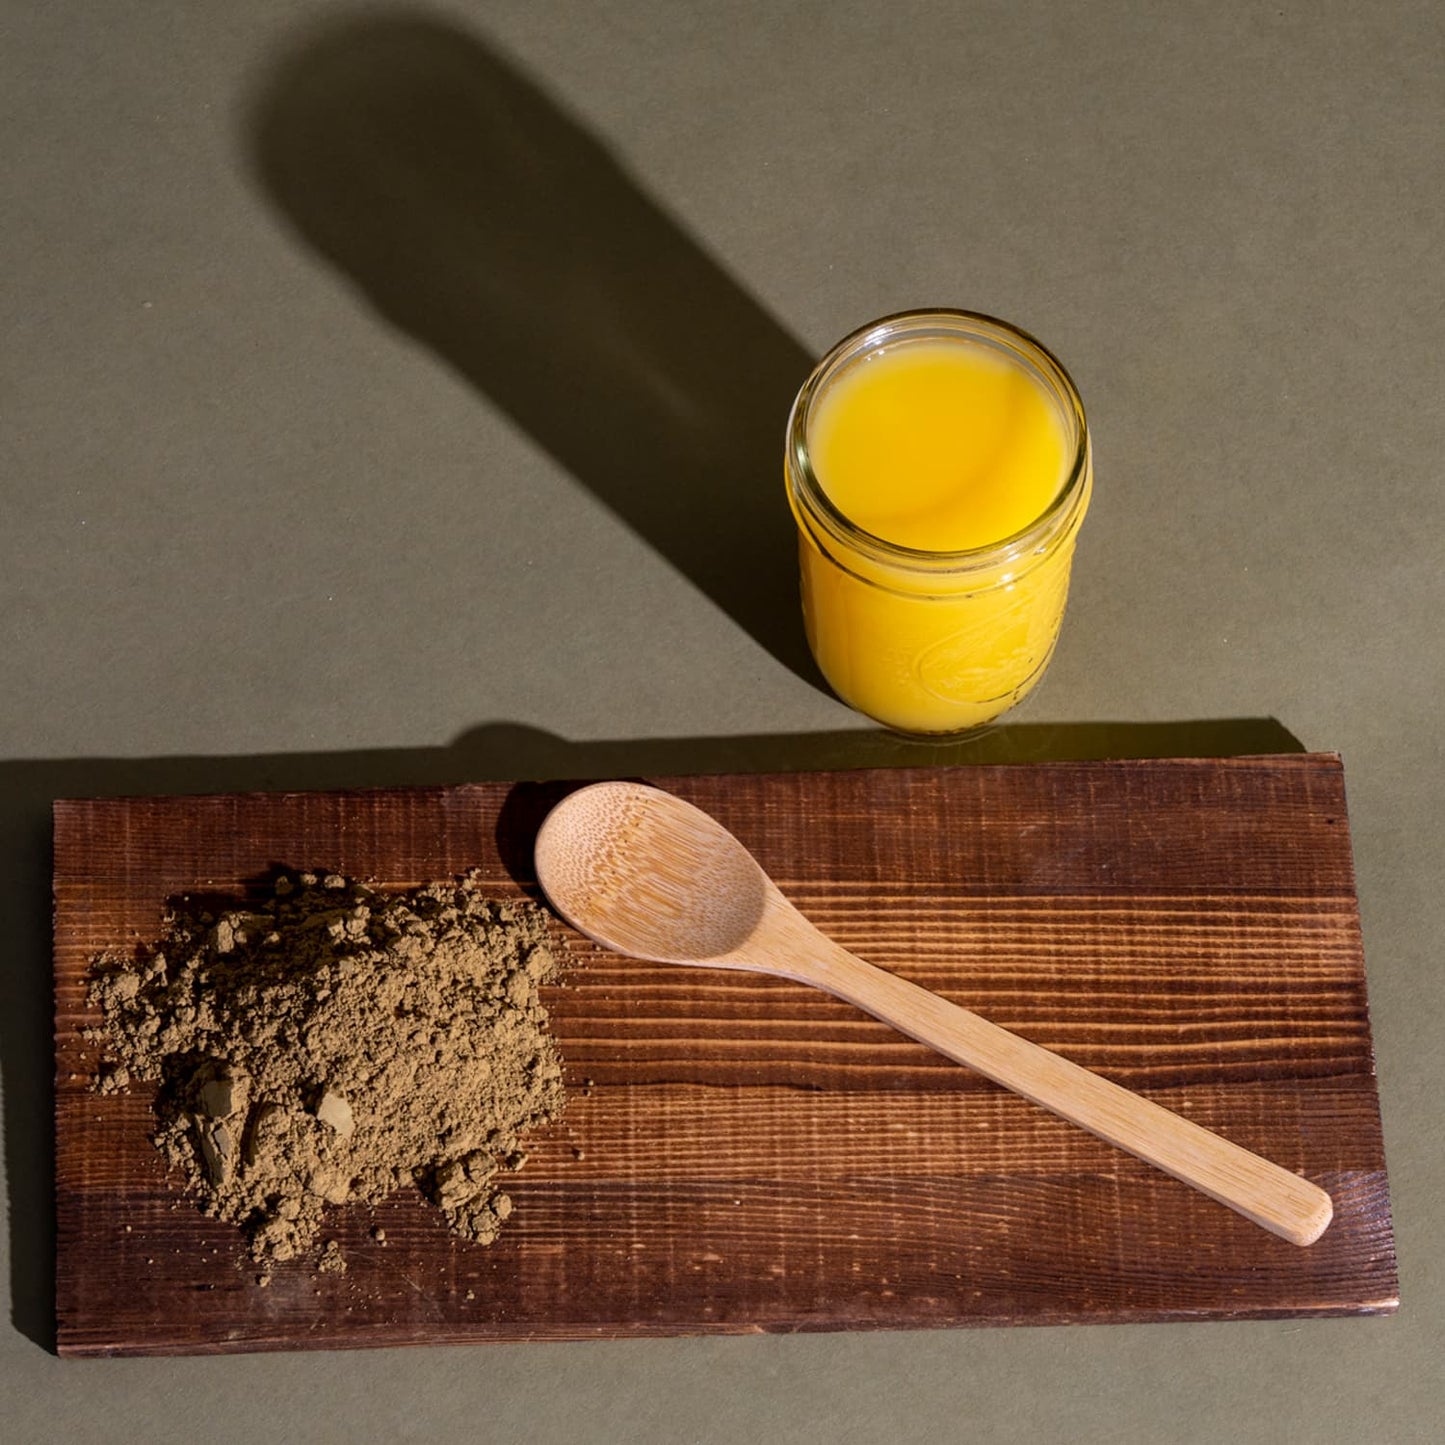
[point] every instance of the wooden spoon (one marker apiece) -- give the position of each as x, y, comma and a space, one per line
641, 871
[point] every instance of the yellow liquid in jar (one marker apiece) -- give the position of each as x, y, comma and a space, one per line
937, 446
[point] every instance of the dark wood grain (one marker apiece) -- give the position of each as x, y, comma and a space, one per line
742, 1154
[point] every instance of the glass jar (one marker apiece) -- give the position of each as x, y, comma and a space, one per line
936, 642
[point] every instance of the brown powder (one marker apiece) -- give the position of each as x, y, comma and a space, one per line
331, 1044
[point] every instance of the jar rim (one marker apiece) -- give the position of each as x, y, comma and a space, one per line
810, 495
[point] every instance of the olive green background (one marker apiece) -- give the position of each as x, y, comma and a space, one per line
396, 396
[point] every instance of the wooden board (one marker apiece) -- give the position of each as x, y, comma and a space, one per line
750, 1155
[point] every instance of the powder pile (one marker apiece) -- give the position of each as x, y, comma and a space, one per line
330, 1044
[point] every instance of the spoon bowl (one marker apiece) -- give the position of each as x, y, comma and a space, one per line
643, 872
640, 871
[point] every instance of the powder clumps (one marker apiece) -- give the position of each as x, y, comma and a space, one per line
331, 1044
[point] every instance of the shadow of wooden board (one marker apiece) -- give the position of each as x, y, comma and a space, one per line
741, 1154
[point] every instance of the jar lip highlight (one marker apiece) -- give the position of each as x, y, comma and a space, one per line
939, 324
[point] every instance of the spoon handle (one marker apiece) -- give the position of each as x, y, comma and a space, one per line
1280, 1201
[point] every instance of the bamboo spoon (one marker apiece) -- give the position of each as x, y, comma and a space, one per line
641, 871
